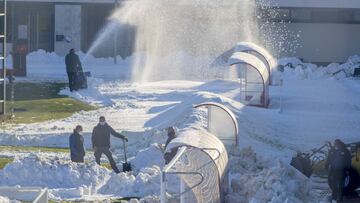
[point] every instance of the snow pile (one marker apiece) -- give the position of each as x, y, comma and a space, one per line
253, 181
38, 171
148, 157
91, 95
49, 65
70, 180
4, 200
41, 57
294, 67
145, 183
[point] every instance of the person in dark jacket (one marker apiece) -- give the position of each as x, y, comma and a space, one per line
101, 142
76, 142
338, 162
169, 155
73, 67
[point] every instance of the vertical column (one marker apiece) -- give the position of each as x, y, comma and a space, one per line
3, 57
163, 187
182, 191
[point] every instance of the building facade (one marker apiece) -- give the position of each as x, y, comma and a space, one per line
55, 25
329, 29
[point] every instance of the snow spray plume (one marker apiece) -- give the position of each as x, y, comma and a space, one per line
178, 38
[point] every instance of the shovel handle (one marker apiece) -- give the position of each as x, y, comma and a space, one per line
124, 145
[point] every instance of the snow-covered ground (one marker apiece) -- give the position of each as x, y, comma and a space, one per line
312, 106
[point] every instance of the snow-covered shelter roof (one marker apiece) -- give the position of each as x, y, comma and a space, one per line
222, 122
253, 61
241, 60
251, 47
206, 143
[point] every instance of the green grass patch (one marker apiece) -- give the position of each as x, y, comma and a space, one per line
47, 109
106, 165
4, 161
38, 102
44, 149
33, 149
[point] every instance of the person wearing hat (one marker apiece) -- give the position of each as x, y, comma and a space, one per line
101, 142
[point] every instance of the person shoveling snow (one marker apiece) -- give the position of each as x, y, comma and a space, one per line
101, 142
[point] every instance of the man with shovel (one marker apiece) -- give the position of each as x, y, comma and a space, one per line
101, 142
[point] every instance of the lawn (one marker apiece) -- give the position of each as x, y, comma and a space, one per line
33, 149
4, 161
37, 102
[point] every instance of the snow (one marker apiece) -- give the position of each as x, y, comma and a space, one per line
4, 200
252, 181
313, 106
50, 66
294, 67
67, 180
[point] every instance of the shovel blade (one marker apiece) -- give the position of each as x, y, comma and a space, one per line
126, 167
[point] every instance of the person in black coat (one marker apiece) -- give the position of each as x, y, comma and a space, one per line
169, 155
338, 162
101, 142
73, 67
76, 142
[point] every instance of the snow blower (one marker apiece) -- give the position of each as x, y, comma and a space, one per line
306, 162
314, 161
126, 165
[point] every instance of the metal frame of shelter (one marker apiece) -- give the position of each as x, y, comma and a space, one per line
228, 112
199, 168
243, 58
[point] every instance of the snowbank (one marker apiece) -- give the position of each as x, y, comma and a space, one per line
145, 183
252, 181
294, 67
70, 180
38, 171
4, 200
49, 66
148, 157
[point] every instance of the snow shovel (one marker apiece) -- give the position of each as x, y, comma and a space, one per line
126, 165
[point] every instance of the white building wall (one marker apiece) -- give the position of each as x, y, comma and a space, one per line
313, 3
68, 24
322, 42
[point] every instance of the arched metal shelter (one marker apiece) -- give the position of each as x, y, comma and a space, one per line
253, 76
200, 165
259, 52
222, 122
